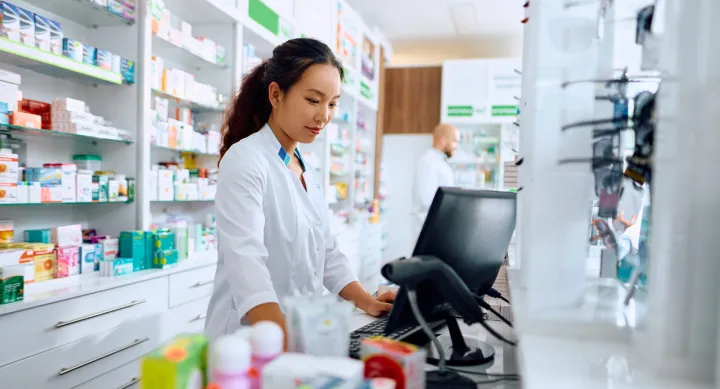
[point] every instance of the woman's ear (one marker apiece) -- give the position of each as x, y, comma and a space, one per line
275, 94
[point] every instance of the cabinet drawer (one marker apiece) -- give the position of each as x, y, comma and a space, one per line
186, 318
191, 285
35, 330
124, 377
78, 362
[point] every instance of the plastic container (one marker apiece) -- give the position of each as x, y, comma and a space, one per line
267, 340
88, 162
230, 362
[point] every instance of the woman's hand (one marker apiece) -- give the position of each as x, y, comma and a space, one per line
381, 305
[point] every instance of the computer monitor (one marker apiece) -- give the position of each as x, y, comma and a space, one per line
470, 230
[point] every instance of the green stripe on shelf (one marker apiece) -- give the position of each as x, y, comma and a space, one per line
460, 110
504, 110
264, 16
60, 61
365, 91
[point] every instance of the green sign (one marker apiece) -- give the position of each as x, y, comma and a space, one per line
264, 16
460, 110
504, 110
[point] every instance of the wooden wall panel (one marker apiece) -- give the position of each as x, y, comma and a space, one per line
411, 99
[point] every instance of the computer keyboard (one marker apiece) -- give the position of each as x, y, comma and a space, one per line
377, 328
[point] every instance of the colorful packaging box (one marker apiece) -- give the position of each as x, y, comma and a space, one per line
110, 248
10, 21
72, 49
164, 240
176, 364
88, 261
103, 59
118, 8
132, 245
12, 254
56, 37
89, 55
165, 259
127, 70
12, 283
38, 236
45, 261
116, 267
68, 262
66, 236
382, 355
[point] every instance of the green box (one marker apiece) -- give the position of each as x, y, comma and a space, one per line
132, 245
176, 364
165, 259
12, 283
38, 236
164, 240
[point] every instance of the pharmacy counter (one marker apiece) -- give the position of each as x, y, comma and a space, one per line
505, 356
88, 331
586, 346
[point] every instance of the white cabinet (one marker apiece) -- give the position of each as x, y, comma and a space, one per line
95, 340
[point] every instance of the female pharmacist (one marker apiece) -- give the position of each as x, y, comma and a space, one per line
273, 231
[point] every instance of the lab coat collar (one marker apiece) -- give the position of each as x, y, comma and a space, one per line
276, 147
439, 153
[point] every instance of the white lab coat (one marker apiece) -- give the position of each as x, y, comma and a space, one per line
274, 238
432, 171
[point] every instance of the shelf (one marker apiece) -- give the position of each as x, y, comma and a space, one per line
204, 11
57, 204
183, 102
182, 201
83, 12
260, 38
37, 132
158, 147
32, 58
179, 55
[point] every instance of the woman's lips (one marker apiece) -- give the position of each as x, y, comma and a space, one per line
314, 130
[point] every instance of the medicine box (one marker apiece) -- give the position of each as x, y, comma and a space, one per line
24, 119
165, 259
72, 49
66, 236
116, 267
56, 37
88, 260
89, 53
118, 7
45, 261
127, 70
103, 59
12, 283
68, 261
38, 236
84, 186
175, 364
42, 32
110, 248
27, 26
10, 21
289, 369
8, 193
16, 254
8, 167
381, 355
132, 245
68, 104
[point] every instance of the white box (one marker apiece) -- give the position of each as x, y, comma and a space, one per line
8, 167
66, 236
68, 104
35, 193
23, 193
9, 94
69, 182
290, 368
8, 193
10, 77
166, 189
61, 115
153, 178
84, 186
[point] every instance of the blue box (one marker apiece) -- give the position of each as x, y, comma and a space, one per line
73, 49
56, 37
103, 59
27, 26
127, 71
89, 55
42, 32
10, 21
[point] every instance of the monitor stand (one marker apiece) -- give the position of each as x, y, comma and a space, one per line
461, 350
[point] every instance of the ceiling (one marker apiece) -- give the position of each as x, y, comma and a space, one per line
410, 20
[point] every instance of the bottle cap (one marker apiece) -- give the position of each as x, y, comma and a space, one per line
244, 332
230, 354
267, 339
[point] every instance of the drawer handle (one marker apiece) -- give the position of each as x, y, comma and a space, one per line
136, 342
198, 317
61, 324
132, 382
201, 283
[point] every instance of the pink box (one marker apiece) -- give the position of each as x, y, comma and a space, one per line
68, 261
67, 236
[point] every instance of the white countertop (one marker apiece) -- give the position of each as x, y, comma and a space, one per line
47, 292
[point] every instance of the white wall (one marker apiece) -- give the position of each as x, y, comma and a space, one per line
400, 154
434, 52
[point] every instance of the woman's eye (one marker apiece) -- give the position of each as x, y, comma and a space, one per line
333, 105
313, 101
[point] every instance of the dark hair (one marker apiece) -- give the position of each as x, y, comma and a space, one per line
250, 108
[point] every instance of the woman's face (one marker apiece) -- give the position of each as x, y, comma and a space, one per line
309, 105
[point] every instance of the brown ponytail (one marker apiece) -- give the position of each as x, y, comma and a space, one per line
250, 109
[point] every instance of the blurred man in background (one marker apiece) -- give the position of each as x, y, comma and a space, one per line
433, 171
